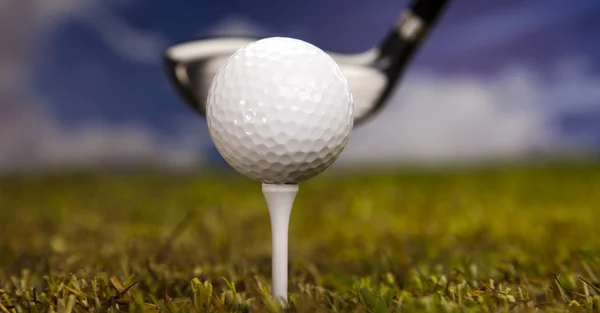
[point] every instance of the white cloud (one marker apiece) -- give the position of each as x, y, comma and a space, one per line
31, 138
35, 18
41, 13
34, 140
240, 25
97, 143
236, 25
128, 41
434, 118
20, 24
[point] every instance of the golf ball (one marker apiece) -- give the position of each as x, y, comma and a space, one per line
279, 111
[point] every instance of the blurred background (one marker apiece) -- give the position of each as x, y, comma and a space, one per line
82, 83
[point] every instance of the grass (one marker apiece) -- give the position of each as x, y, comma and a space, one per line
499, 240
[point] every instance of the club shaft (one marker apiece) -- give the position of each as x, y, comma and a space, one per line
428, 10
411, 30
402, 43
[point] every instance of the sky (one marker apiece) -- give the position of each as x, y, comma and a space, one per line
82, 81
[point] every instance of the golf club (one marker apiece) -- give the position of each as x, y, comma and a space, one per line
372, 75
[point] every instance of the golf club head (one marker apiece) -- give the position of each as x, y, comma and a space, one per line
191, 66
372, 76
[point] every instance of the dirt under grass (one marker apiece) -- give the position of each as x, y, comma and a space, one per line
507, 239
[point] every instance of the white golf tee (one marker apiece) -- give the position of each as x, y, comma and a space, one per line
280, 199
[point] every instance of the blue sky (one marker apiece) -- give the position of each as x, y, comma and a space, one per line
494, 79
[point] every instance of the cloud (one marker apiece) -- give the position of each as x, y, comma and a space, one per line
21, 22
94, 144
31, 138
436, 118
40, 13
34, 18
236, 25
49, 145
125, 39
242, 26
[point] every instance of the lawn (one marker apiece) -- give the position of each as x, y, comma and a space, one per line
510, 239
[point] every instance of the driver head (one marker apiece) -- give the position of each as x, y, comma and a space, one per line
191, 67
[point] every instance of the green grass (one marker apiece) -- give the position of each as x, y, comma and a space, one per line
502, 240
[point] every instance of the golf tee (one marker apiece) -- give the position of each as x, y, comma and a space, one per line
280, 199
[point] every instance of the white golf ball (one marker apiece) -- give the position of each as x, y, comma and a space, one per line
279, 111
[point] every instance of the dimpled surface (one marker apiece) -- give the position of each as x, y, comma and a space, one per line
280, 111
